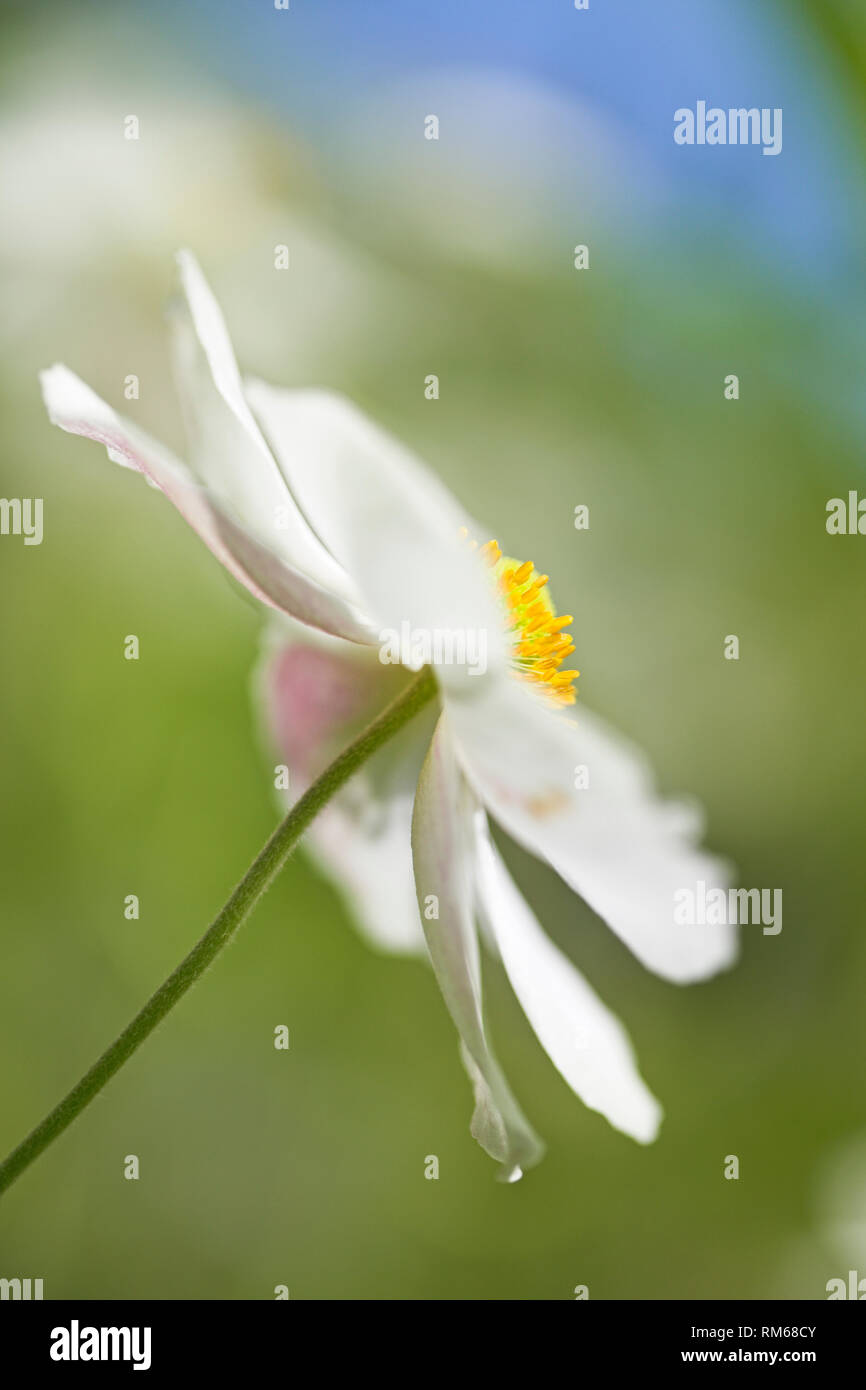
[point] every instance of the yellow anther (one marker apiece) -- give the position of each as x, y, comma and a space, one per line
535, 589
539, 642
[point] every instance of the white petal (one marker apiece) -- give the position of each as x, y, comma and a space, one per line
442, 844
583, 1039
391, 523
312, 695
363, 846
615, 842
228, 453
75, 408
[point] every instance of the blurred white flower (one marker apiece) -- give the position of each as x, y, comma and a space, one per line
841, 1203
827, 1257
486, 185
91, 219
341, 531
83, 196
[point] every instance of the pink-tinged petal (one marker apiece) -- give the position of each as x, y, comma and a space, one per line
314, 695
586, 1043
615, 842
385, 517
227, 452
442, 852
75, 408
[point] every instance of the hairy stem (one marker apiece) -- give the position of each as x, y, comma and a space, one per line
257, 879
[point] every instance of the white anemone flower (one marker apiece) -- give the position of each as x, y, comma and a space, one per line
363, 556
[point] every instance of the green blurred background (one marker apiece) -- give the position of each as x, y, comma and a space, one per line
558, 387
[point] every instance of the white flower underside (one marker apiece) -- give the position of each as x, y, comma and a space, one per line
331, 522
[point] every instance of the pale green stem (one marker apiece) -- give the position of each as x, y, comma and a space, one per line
257, 879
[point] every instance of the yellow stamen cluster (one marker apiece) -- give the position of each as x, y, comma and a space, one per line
541, 643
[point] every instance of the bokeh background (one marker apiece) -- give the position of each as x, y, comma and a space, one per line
603, 387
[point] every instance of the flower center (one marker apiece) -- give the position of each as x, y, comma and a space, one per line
540, 643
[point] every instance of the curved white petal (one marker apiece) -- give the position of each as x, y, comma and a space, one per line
391, 523
362, 844
442, 845
585, 1042
313, 694
75, 408
227, 451
615, 842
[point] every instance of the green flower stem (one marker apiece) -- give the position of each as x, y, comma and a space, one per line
257, 879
